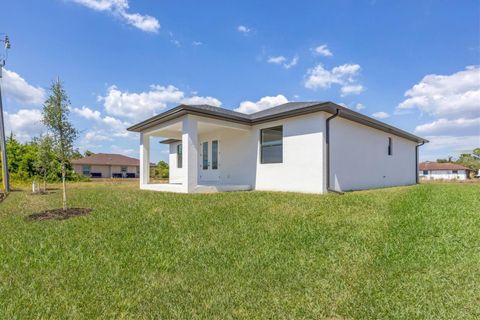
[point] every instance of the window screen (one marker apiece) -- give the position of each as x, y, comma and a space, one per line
215, 154
271, 145
179, 156
205, 155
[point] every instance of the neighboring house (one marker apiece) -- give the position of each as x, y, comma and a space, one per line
447, 171
107, 165
312, 147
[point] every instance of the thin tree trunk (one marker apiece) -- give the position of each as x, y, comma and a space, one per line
45, 182
64, 184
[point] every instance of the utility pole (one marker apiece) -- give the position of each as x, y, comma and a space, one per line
6, 179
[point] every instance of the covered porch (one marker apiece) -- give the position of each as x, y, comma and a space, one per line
201, 157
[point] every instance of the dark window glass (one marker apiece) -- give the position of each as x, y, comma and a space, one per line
271, 145
215, 154
455, 171
390, 147
123, 169
205, 155
179, 156
86, 170
425, 172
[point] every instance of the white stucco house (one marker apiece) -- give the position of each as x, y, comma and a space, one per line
442, 171
311, 147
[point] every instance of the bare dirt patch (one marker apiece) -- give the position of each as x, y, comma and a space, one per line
41, 193
59, 214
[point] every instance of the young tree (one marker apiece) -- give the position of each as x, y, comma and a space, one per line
55, 118
45, 157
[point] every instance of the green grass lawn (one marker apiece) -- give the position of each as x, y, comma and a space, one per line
398, 253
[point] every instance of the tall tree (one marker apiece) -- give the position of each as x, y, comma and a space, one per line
55, 117
45, 158
87, 153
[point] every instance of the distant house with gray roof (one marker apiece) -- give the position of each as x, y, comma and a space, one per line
107, 165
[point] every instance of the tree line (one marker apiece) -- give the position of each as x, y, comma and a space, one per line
36, 159
469, 160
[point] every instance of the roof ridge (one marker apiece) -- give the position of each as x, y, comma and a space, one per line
286, 110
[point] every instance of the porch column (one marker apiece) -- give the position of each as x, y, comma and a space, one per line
144, 159
190, 153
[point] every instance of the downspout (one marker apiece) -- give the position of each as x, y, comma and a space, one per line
416, 160
327, 151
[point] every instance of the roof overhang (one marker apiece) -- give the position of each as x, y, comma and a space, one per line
169, 141
328, 107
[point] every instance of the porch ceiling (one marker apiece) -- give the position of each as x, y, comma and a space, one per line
174, 130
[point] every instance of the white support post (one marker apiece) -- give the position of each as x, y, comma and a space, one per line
190, 153
144, 159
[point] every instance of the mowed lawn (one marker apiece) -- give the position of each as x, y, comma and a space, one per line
397, 253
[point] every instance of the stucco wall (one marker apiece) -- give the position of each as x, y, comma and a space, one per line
105, 170
359, 157
175, 175
236, 156
443, 174
302, 166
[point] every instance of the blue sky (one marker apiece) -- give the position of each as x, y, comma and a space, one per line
412, 64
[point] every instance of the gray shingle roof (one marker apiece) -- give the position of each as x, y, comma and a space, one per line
286, 107
225, 111
286, 110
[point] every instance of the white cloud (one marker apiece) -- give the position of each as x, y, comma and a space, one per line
262, 104
146, 104
442, 146
455, 127
449, 96
202, 100
281, 60
119, 8
292, 63
112, 126
344, 75
16, 87
122, 150
24, 124
452, 143
88, 113
453, 101
140, 105
243, 29
323, 51
197, 43
359, 106
351, 89
381, 115
96, 135
277, 60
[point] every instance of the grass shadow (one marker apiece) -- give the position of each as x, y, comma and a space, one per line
58, 214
